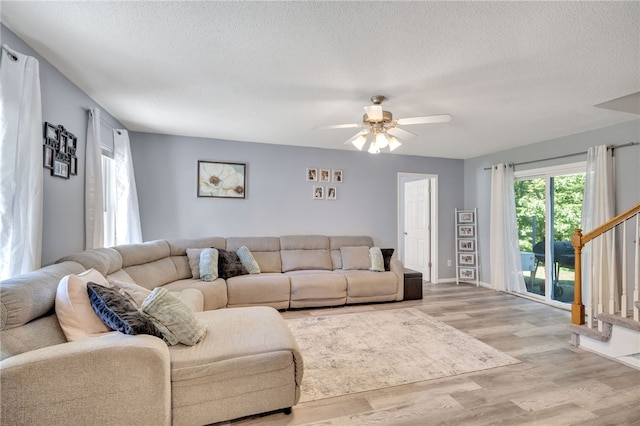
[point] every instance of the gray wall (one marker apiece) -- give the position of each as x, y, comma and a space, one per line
279, 199
62, 103
477, 181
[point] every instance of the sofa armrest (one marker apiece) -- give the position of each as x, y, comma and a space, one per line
396, 266
112, 379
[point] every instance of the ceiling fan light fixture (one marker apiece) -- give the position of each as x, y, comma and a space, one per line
360, 141
393, 143
373, 149
381, 140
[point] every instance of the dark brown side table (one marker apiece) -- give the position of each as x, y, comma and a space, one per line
412, 285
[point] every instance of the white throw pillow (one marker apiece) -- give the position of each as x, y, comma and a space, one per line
377, 260
73, 308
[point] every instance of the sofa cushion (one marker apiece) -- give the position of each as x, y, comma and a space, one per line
268, 289
118, 312
229, 265
337, 242
134, 291
73, 308
377, 260
105, 260
248, 261
214, 293
191, 297
175, 320
29, 296
209, 264
317, 288
265, 250
355, 257
369, 283
294, 260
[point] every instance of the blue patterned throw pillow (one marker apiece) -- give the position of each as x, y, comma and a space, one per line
209, 264
248, 261
118, 312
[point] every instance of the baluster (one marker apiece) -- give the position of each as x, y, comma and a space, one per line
601, 259
636, 295
612, 273
623, 298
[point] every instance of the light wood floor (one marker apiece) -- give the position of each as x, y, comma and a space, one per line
555, 384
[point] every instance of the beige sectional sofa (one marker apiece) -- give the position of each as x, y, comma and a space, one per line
248, 362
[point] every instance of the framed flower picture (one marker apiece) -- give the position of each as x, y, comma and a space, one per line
221, 179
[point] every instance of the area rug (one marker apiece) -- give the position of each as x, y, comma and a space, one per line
349, 353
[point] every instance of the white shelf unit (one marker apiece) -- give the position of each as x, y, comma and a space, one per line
466, 232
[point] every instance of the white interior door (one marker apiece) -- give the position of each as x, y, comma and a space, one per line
417, 232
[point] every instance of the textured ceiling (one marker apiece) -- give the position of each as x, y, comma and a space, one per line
510, 73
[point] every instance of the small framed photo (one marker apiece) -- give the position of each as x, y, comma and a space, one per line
72, 143
466, 217
466, 231
337, 175
48, 155
222, 180
62, 147
318, 192
60, 169
466, 245
325, 175
50, 134
312, 174
467, 259
467, 273
73, 166
332, 193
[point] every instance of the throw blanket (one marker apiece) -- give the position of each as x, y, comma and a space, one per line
172, 318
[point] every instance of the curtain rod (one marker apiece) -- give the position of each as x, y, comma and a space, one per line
103, 120
569, 155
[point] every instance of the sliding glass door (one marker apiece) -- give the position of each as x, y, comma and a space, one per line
548, 210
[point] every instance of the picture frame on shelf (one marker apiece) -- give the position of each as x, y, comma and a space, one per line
467, 259
466, 245
312, 174
466, 217
220, 179
318, 192
332, 193
467, 273
337, 176
325, 175
466, 231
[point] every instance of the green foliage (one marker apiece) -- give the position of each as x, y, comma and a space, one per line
530, 208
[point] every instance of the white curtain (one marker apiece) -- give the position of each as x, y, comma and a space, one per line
505, 262
20, 164
599, 207
127, 221
93, 194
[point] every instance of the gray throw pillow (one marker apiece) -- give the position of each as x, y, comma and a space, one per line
229, 265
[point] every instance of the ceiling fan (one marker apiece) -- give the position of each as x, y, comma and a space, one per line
381, 130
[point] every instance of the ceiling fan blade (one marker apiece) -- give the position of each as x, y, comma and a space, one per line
374, 112
401, 133
440, 118
339, 126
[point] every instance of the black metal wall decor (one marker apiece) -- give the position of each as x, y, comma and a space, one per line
59, 151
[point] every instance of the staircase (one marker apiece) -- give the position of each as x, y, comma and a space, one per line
607, 326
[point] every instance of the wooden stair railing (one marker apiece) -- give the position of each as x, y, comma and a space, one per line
578, 241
